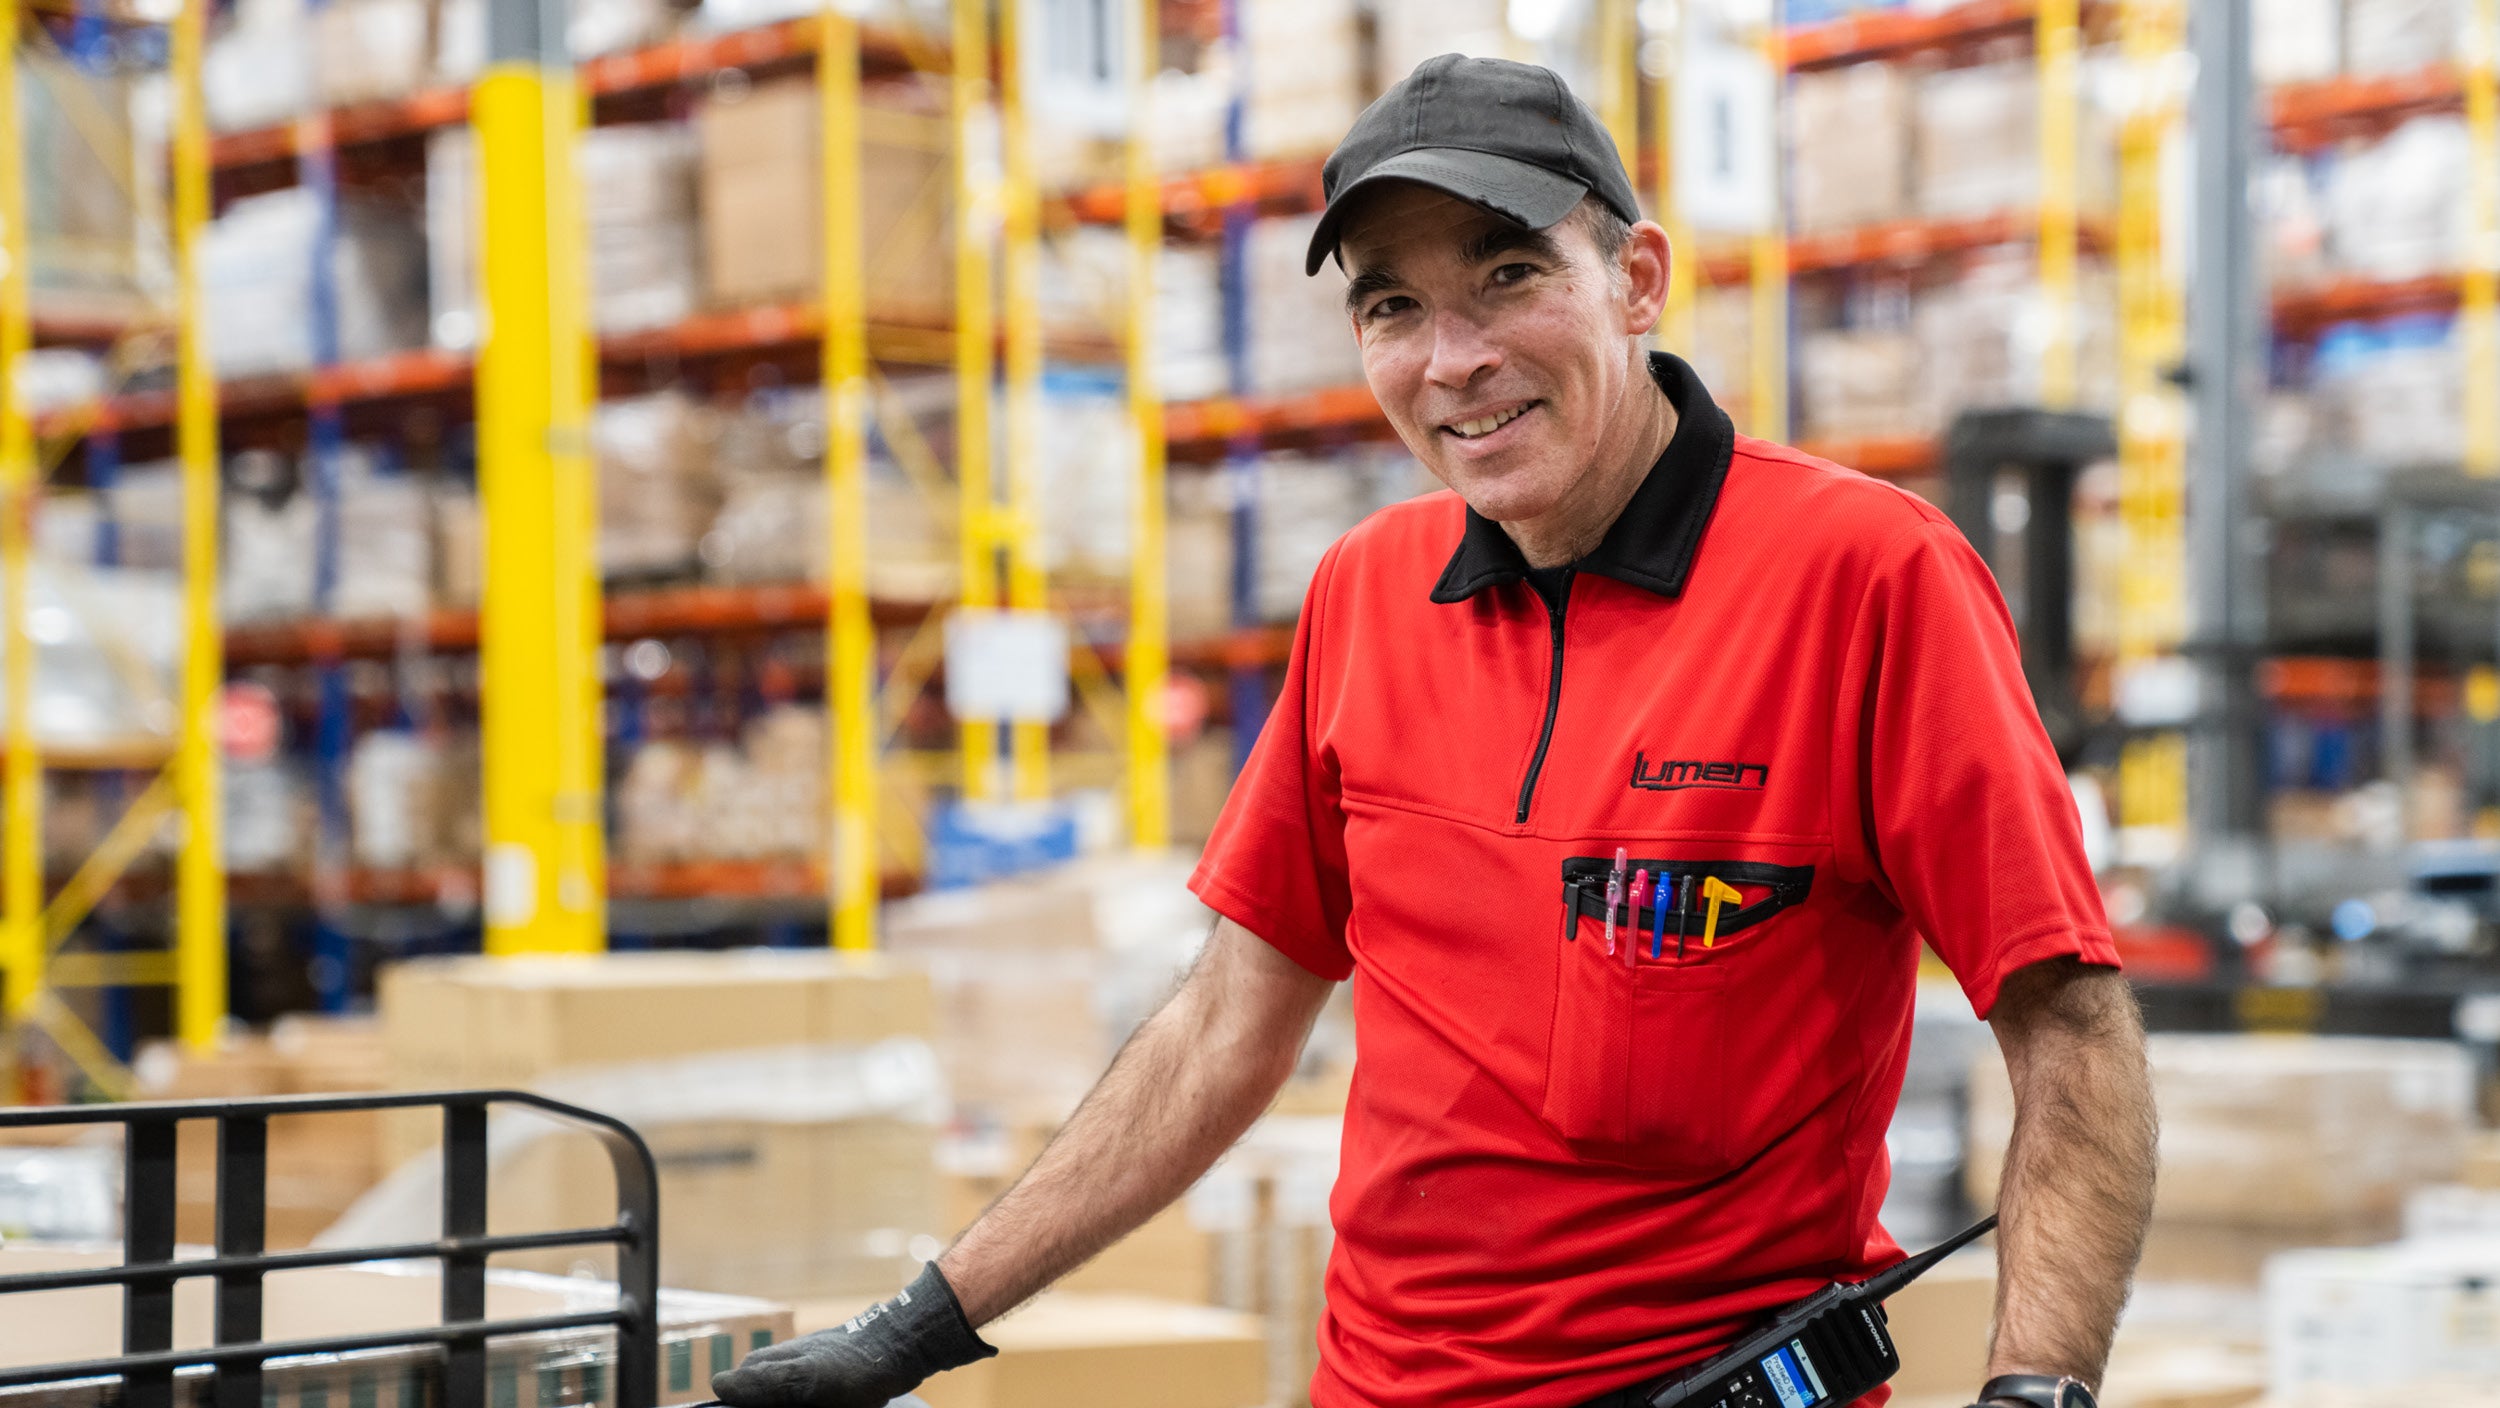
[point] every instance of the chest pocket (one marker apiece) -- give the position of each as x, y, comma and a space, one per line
1636, 1072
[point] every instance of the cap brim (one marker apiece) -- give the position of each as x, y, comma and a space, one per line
1513, 189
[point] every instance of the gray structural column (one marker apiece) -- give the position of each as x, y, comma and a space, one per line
2226, 540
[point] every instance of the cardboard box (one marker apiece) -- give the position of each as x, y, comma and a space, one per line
2452, 1210
2173, 1374
2373, 1317
1940, 1324
369, 50
1015, 967
2482, 1160
1976, 142
1859, 382
1080, 1351
700, 1334
783, 1209
450, 1023
761, 203
659, 485
81, 167
2208, 1254
2412, 1395
844, 1193
2301, 1134
319, 1164
63, 1190
1850, 145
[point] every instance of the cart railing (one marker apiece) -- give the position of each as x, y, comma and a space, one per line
148, 1272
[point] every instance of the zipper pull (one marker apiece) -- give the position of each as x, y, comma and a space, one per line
1571, 910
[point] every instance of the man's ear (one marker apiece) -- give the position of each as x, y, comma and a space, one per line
1646, 259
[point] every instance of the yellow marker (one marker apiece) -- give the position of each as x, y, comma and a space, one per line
2482, 694
1717, 892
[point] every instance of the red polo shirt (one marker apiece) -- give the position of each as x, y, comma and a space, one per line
1566, 1169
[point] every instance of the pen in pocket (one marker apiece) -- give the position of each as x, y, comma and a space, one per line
1658, 903
1614, 895
1717, 892
1632, 915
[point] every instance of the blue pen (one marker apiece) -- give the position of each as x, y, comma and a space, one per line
1658, 914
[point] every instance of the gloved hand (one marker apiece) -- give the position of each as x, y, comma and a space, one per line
866, 1361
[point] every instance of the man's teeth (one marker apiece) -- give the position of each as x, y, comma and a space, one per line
1486, 425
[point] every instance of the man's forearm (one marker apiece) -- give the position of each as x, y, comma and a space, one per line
1187, 1085
2078, 1184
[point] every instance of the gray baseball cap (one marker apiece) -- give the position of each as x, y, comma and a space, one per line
1509, 137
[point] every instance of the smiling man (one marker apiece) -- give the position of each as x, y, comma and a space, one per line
1624, 782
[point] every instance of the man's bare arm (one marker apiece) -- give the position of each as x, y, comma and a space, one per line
2078, 1185
1180, 1092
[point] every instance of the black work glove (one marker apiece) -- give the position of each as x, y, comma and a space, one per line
866, 1361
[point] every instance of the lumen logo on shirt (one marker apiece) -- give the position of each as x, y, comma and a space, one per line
1678, 774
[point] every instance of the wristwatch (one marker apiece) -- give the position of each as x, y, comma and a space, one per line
2037, 1390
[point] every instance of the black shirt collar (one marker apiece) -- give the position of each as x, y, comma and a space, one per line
1652, 542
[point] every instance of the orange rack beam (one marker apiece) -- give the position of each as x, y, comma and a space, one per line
671, 611
1904, 241
1884, 456
2305, 310
2347, 683
1881, 33
2306, 116
427, 371
455, 886
1339, 408
1892, 242
1292, 181
658, 66
625, 616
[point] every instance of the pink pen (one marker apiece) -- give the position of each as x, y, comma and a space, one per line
1614, 895
1632, 912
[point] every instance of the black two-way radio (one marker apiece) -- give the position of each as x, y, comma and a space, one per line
1821, 1352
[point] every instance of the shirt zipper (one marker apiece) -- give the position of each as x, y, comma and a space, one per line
1553, 703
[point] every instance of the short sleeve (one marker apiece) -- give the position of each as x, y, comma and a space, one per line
1276, 863
1969, 819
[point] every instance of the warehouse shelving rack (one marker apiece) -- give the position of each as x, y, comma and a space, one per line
306, 149
2311, 116
186, 782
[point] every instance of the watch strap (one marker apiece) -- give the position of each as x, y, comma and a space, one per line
2038, 1390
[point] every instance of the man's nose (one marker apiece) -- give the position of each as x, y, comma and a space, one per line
1461, 352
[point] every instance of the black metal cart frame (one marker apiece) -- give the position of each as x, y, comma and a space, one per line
148, 1360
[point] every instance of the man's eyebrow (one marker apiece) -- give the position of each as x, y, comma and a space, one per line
1361, 287
1506, 238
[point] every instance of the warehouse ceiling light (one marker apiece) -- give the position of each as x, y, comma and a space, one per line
1536, 20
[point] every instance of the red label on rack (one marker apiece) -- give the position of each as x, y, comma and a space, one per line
247, 722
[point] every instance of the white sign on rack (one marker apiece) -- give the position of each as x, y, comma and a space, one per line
1723, 170
1006, 666
1076, 63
